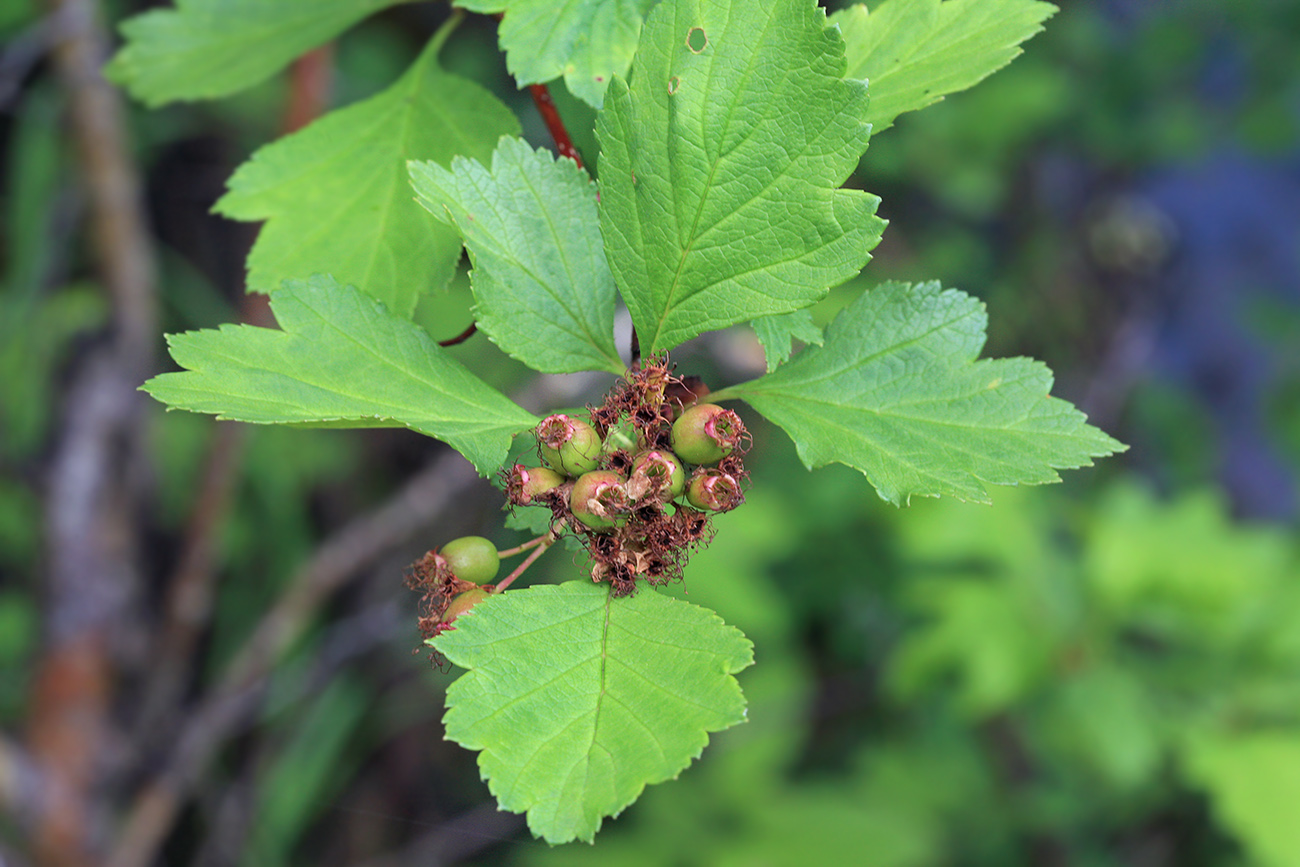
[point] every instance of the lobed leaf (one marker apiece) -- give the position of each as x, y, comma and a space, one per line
341, 360
896, 393
578, 700
544, 291
336, 196
778, 333
914, 52
721, 161
203, 49
586, 41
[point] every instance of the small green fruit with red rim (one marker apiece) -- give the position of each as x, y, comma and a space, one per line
472, 558
527, 485
714, 491
599, 500
706, 433
569, 445
659, 472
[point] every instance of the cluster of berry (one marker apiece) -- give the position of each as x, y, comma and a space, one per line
620, 483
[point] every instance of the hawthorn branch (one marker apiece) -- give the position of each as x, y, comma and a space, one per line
551, 116
311, 79
460, 338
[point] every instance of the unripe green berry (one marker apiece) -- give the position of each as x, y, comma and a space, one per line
472, 558
525, 485
714, 491
656, 471
464, 602
706, 433
569, 445
599, 500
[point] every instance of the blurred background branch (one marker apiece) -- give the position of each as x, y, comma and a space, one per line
94, 482
419, 503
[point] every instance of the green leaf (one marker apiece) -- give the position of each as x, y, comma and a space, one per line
336, 196
914, 52
897, 394
579, 700
1254, 783
720, 170
545, 294
586, 41
203, 49
342, 360
778, 333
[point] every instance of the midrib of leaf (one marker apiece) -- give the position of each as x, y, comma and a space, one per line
727, 216
305, 239
889, 413
594, 716
600, 696
693, 237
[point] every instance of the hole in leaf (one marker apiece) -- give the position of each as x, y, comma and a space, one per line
673, 84
697, 40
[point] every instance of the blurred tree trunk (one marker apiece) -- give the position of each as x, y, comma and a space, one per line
92, 493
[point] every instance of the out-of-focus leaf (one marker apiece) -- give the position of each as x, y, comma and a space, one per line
1253, 780
1183, 568
306, 772
202, 49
